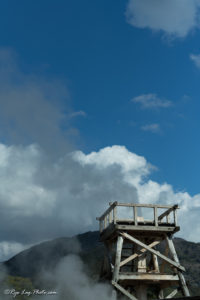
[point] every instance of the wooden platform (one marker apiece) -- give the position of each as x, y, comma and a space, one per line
111, 221
143, 229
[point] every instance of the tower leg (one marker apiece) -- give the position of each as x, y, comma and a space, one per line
184, 287
118, 258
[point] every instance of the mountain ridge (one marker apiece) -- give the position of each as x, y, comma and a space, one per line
46, 255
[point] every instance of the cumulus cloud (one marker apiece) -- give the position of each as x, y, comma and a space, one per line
151, 101
154, 128
41, 199
196, 59
175, 18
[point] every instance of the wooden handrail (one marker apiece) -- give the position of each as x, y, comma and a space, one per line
110, 215
167, 212
107, 211
142, 205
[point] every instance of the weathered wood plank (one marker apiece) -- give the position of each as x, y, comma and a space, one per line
147, 277
136, 241
123, 291
133, 256
147, 228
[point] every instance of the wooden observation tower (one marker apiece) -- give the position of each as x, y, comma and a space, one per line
140, 257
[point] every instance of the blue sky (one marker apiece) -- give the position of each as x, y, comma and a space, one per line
113, 73
106, 62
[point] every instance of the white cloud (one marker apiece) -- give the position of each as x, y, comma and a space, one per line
151, 101
175, 18
196, 59
154, 128
41, 199
79, 113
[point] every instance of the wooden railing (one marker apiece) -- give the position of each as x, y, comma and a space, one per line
110, 216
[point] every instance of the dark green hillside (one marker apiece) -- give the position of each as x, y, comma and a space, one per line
46, 255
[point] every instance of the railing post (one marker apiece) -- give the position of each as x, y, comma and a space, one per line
175, 217
168, 218
135, 215
155, 216
110, 217
115, 214
105, 222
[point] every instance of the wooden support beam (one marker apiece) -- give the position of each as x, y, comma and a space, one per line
123, 291
172, 294
184, 287
147, 228
136, 241
118, 258
147, 277
133, 256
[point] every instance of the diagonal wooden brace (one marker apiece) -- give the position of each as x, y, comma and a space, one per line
168, 260
125, 261
172, 294
123, 291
